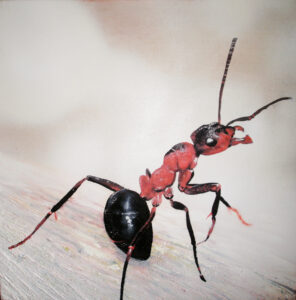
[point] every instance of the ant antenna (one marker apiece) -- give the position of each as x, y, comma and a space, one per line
248, 118
233, 42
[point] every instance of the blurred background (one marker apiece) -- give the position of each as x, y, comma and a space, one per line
108, 85
106, 88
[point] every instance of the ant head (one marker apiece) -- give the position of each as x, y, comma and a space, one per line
214, 138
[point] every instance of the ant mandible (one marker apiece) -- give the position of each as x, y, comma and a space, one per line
127, 218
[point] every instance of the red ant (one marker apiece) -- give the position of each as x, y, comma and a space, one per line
127, 218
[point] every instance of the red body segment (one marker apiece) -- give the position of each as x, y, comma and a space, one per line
184, 178
180, 158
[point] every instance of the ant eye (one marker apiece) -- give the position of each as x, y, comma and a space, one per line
211, 142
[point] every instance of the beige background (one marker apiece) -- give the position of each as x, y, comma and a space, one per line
106, 88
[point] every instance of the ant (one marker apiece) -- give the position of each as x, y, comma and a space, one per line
127, 218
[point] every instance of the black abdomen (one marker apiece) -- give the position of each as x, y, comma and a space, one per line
125, 213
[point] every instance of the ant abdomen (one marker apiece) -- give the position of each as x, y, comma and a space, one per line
125, 213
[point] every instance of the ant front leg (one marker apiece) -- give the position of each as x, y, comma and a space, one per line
180, 206
194, 189
104, 182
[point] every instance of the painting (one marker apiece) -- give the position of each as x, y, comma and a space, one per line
106, 89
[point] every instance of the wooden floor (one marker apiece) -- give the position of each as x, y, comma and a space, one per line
72, 258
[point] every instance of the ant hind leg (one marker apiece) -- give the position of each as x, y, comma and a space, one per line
104, 182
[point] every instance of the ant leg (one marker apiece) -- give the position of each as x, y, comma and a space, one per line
104, 182
181, 206
213, 214
234, 210
194, 189
213, 187
132, 247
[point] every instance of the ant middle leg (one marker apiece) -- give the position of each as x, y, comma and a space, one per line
180, 206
